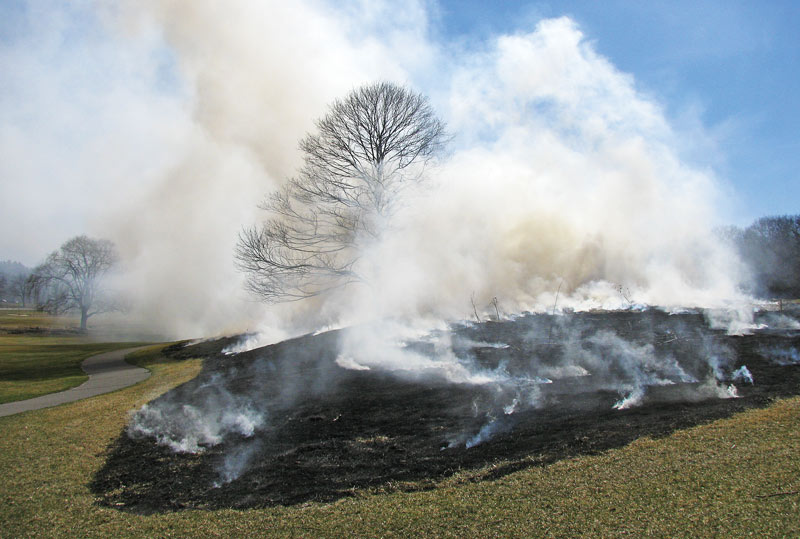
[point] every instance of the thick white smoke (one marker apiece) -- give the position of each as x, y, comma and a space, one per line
258, 74
561, 174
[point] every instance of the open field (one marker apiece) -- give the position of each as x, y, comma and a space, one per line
32, 366
41, 354
29, 319
735, 477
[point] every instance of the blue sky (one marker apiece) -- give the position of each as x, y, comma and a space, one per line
734, 66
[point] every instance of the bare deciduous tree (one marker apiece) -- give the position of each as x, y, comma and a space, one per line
771, 248
36, 288
367, 149
17, 286
71, 278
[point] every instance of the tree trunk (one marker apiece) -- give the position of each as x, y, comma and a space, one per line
84, 318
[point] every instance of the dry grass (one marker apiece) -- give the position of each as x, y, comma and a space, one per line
701, 482
16, 319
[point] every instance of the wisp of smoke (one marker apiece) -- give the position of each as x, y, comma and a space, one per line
781, 355
573, 355
236, 461
743, 374
188, 429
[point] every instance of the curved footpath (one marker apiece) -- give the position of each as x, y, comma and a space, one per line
107, 372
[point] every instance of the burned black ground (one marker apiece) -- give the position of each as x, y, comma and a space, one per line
332, 430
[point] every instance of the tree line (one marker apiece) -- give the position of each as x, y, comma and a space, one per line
770, 247
12, 281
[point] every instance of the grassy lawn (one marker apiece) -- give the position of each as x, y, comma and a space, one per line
35, 360
702, 482
11, 319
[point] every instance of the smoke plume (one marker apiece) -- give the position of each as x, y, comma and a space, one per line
562, 176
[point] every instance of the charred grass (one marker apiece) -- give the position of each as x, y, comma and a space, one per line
333, 432
734, 477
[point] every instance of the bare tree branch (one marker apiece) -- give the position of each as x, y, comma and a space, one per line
70, 278
366, 150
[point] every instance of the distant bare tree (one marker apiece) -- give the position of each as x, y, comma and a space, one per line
71, 278
367, 149
36, 287
18, 288
12, 278
771, 248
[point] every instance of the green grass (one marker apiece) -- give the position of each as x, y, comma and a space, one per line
34, 363
31, 366
702, 482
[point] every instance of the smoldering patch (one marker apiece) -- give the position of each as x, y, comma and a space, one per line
214, 415
325, 425
781, 355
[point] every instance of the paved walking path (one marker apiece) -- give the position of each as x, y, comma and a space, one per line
107, 372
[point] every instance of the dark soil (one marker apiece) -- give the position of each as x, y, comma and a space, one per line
331, 430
